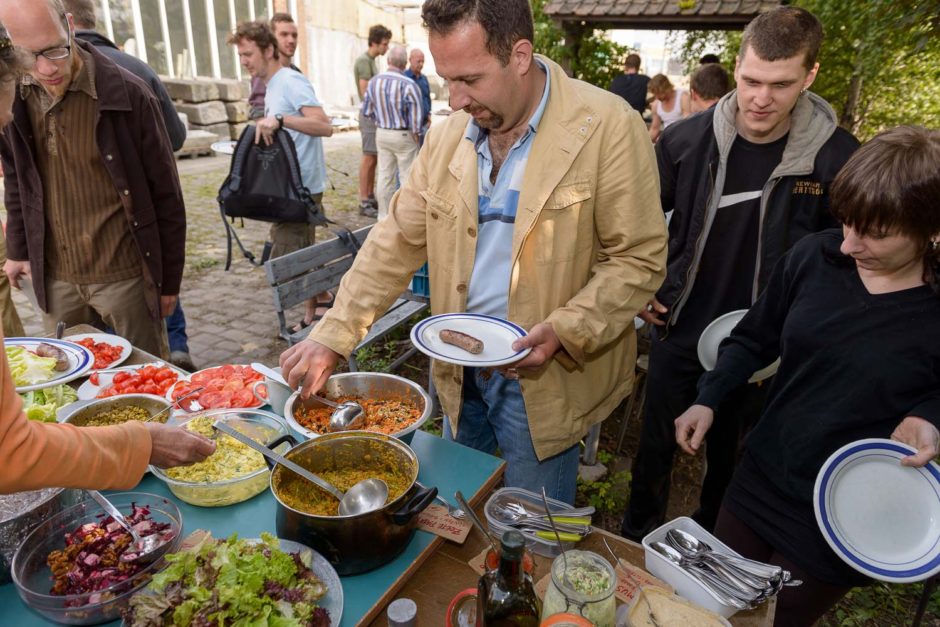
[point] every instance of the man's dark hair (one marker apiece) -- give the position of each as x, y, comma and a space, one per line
710, 81
632, 62
83, 12
258, 32
504, 21
783, 33
378, 34
709, 58
277, 18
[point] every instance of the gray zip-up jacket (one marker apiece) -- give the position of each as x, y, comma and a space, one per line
693, 155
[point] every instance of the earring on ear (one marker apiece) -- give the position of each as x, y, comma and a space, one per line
934, 245
802, 91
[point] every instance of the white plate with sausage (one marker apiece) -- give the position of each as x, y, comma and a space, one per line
468, 339
74, 359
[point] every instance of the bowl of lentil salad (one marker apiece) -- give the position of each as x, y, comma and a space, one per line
234, 472
115, 410
394, 405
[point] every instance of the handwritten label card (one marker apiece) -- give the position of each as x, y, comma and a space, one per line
436, 520
478, 563
631, 578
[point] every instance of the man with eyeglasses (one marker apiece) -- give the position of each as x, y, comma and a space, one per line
96, 214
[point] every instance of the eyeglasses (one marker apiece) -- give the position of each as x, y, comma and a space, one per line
59, 52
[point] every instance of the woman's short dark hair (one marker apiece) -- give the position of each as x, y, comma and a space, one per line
892, 184
504, 21
12, 62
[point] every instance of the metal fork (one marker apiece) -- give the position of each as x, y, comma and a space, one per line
567, 513
453, 510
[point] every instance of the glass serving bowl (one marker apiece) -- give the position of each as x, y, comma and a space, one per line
261, 426
33, 579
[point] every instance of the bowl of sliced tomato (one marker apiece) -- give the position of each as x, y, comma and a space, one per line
156, 379
224, 387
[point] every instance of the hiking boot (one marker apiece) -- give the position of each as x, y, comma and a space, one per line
366, 209
181, 359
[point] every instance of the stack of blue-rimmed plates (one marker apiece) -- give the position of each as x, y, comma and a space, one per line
881, 518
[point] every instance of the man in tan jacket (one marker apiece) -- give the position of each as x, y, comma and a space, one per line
538, 203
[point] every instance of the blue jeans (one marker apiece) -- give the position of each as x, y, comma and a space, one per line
494, 416
176, 330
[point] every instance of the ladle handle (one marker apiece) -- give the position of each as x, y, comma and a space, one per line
283, 461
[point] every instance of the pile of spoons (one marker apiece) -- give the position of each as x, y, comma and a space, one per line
731, 580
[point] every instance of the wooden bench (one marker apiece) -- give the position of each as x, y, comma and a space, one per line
302, 274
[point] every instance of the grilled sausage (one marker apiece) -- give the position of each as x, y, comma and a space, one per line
48, 350
462, 340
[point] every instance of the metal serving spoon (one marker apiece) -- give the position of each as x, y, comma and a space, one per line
366, 496
346, 416
145, 549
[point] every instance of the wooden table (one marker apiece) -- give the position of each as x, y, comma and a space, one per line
447, 572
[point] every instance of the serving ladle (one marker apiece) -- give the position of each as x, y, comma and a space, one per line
345, 417
143, 550
366, 496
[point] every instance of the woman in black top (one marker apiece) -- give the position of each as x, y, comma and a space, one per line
855, 318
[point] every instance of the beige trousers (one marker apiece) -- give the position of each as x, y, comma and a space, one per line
397, 151
121, 305
12, 325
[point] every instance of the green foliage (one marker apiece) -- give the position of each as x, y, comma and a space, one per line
594, 57
879, 63
881, 604
609, 494
724, 43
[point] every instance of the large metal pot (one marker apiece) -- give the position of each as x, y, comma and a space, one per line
374, 385
354, 544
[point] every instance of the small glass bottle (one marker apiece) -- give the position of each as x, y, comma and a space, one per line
585, 589
506, 596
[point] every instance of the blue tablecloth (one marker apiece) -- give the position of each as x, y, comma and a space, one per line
444, 464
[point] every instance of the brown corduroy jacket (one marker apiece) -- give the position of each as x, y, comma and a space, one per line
136, 151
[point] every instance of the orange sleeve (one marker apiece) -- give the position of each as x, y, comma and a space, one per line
35, 455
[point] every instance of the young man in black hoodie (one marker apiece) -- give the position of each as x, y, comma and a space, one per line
746, 180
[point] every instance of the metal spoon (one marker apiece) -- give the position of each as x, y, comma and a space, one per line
366, 496
759, 569
147, 548
476, 520
175, 403
715, 588
346, 416
747, 584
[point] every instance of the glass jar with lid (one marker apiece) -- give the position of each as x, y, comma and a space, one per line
583, 584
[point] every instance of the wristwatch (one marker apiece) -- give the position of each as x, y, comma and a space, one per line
280, 120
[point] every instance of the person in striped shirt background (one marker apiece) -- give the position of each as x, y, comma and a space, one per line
394, 102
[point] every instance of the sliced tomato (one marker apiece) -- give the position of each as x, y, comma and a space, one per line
244, 398
94, 378
120, 377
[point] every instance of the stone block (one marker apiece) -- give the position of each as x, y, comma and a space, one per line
221, 129
231, 90
237, 111
235, 130
184, 119
191, 90
204, 113
197, 141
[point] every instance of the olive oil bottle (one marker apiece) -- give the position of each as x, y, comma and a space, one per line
506, 596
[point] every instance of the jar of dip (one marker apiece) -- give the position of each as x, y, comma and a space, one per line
582, 584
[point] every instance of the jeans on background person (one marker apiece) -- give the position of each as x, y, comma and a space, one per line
176, 330
494, 416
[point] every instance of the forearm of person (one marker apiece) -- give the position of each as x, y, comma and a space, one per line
167, 196
753, 344
35, 455
313, 122
395, 249
631, 260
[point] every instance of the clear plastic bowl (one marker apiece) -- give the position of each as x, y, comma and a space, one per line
33, 579
261, 426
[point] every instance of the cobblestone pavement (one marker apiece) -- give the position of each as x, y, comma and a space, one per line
230, 316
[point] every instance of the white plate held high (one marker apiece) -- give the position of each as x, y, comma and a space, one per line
80, 360
496, 334
879, 517
717, 330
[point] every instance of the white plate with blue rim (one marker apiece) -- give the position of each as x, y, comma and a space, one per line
716, 331
879, 517
80, 360
496, 334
